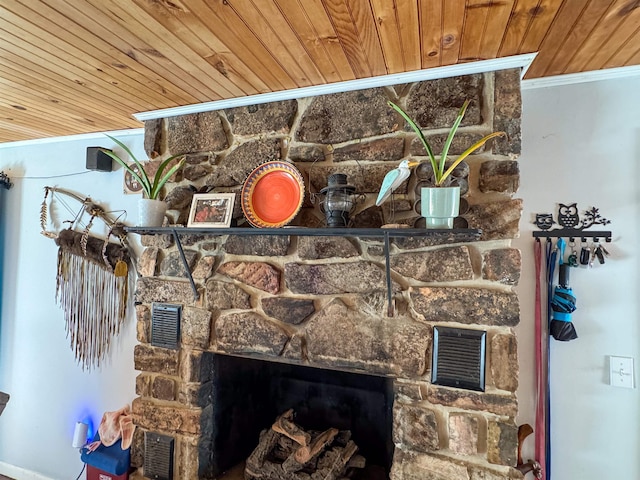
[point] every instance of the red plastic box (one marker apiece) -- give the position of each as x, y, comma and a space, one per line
94, 473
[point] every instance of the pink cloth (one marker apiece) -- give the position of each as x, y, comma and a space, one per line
115, 425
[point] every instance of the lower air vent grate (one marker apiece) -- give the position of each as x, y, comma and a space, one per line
158, 456
165, 325
459, 358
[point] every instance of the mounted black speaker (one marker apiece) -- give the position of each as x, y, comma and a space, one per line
98, 160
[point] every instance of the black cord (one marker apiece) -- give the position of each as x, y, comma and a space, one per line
81, 471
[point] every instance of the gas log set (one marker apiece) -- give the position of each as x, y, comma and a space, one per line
288, 452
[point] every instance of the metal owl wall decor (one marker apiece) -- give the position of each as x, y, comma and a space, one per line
569, 218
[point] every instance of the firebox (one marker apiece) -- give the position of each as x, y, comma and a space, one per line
242, 396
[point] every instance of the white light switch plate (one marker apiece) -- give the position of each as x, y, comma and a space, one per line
621, 372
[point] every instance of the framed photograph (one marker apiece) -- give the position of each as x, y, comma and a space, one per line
211, 210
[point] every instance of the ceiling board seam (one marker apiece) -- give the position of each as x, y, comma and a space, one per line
586, 36
621, 47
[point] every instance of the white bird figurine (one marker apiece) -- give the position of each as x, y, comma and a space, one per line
394, 179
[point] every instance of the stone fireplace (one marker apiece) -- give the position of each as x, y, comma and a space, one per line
321, 301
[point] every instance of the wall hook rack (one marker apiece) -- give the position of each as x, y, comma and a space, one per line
572, 225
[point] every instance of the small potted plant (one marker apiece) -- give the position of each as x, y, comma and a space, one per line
151, 210
440, 204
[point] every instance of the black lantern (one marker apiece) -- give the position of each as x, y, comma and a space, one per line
339, 201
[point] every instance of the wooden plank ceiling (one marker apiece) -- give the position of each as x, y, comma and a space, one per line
78, 66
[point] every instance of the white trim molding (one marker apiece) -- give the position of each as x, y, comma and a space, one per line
20, 473
515, 61
581, 77
70, 138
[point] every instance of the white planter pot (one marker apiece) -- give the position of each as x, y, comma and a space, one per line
439, 206
151, 212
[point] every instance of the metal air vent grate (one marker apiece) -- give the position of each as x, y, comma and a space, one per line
165, 325
158, 456
459, 358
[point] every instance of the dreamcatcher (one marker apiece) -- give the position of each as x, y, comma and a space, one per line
92, 276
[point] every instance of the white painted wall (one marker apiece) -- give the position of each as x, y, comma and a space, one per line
49, 391
572, 135
581, 143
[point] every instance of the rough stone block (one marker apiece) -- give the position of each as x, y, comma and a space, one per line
163, 388
384, 149
502, 265
262, 245
153, 137
224, 295
293, 311
508, 111
143, 385
467, 305
155, 359
499, 176
165, 419
502, 443
467, 400
189, 393
160, 241
147, 262
409, 391
463, 433
272, 117
143, 323
314, 248
346, 116
354, 337
195, 328
409, 465
196, 172
172, 266
186, 449
435, 103
198, 132
498, 220
150, 290
415, 428
257, 274
294, 350
233, 169
198, 158
306, 153
179, 198
190, 365
441, 265
334, 278
137, 448
504, 362
204, 268
479, 473
249, 332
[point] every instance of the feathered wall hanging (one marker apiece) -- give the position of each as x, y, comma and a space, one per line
92, 279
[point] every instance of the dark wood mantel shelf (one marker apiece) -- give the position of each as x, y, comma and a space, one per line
444, 235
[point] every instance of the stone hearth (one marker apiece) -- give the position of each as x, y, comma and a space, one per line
321, 301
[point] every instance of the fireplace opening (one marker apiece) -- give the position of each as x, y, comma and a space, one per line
242, 396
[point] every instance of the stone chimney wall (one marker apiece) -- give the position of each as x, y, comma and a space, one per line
321, 301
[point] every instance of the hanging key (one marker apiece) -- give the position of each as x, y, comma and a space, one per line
600, 254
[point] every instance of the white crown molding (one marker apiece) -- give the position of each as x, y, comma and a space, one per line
515, 61
582, 77
16, 472
72, 138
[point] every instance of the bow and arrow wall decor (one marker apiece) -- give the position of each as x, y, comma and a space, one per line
92, 275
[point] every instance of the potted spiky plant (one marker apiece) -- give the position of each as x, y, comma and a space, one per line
440, 204
151, 210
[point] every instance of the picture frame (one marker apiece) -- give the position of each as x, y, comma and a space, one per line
211, 210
